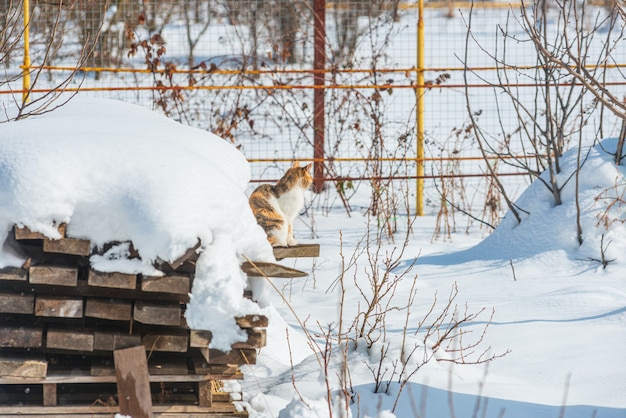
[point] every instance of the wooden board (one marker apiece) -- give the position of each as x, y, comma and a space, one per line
167, 366
263, 269
157, 313
21, 233
175, 342
71, 246
178, 284
199, 338
257, 338
203, 367
205, 393
21, 337
112, 280
235, 356
59, 307
298, 251
17, 303
217, 410
53, 275
252, 321
190, 254
114, 340
133, 382
13, 273
156, 367
112, 309
69, 340
15, 367
49, 394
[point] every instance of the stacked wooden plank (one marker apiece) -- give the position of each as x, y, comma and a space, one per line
61, 322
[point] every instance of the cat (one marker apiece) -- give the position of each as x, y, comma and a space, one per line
276, 207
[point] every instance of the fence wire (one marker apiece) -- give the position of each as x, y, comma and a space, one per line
244, 69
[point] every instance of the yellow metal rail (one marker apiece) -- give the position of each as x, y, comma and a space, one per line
419, 113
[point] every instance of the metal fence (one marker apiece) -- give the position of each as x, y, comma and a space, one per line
336, 82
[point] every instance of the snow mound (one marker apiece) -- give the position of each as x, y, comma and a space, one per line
115, 172
550, 229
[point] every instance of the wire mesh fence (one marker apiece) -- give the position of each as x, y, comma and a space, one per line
247, 71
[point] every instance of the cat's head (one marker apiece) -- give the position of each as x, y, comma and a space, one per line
303, 174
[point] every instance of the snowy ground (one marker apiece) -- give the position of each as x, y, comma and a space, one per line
559, 315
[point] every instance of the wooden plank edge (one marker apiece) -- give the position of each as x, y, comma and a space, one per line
297, 251
82, 379
265, 269
89, 410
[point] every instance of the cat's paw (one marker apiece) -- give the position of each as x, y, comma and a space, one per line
291, 242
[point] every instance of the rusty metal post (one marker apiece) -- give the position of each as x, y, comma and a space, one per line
319, 65
26, 66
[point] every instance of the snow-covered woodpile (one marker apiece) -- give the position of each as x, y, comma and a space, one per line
62, 325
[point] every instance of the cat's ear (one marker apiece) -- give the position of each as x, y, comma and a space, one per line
308, 166
296, 164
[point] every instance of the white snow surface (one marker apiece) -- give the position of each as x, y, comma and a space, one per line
558, 315
116, 172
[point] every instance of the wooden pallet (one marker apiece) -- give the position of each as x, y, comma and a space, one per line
62, 324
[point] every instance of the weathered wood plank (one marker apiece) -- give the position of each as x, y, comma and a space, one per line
175, 342
133, 382
59, 307
22, 368
49, 394
114, 340
101, 368
156, 367
205, 393
217, 410
235, 356
80, 378
203, 367
69, 340
199, 338
22, 233
252, 321
298, 251
170, 366
112, 280
13, 274
71, 246
178, 284
264, 269
256, 339
157, 313
53, 275
190, 254
112, 309
21, 337
17, 303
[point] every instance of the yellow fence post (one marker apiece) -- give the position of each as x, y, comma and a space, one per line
26, 73
419, 117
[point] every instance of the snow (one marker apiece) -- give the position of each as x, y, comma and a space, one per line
116, 172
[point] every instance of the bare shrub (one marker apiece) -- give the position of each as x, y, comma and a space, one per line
574, 44
55, 94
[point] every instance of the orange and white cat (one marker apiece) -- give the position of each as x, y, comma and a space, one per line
276, 207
